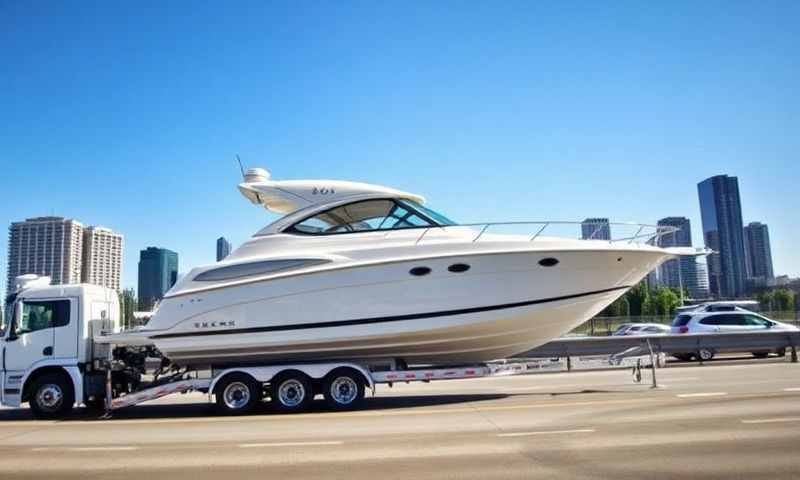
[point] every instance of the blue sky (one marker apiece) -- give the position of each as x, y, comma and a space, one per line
130, 115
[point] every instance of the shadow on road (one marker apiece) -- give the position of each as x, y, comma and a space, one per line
207, 410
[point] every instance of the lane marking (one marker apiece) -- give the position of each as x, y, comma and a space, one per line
772, 420
792, 389
545, 432
288, 444
702, 394
85, 449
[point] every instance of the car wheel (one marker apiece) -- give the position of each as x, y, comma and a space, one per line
705, 354
760, 354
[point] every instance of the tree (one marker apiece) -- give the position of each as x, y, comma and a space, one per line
783, 299
666, 301
127, 305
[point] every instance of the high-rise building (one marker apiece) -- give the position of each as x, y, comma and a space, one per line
596, 229
51, 246
680, 272
721, 212
223, 248
158, 272
701, 290
102, 257
758, 254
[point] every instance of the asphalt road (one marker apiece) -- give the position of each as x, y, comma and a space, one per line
725, 421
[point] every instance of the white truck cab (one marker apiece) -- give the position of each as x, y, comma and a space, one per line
47, 342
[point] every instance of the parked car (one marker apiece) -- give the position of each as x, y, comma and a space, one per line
642, 329
713, 321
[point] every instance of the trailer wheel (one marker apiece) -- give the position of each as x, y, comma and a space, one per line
237, 394
343, 389
52, 396
291, 391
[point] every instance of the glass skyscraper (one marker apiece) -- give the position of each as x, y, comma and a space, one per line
681, 272
596, 229
721, 212
223, 248
158, 272
758, 253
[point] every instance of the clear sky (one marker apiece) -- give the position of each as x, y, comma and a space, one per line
129, 114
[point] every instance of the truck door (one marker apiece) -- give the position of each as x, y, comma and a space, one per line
32, 338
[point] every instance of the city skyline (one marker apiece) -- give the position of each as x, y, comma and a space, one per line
64, 250
493, 114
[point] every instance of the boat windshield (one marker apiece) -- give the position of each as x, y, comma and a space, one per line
363, 216
432, 214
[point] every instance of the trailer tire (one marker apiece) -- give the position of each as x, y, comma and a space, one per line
52, 396
291, 391
343, 389
237, 394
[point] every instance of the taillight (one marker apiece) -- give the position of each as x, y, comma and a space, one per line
683, 329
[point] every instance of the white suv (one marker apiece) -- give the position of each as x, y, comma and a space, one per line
733, 320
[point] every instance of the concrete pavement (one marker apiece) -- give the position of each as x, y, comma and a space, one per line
713, 421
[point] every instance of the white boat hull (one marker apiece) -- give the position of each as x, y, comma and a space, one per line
505, 304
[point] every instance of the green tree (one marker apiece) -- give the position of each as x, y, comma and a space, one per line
666, 301
783, 299
127, 305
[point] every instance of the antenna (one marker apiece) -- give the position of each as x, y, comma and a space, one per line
240, 164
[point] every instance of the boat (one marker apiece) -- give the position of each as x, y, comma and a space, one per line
361, 272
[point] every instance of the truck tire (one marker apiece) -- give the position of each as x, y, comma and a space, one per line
343, 389
52, 396
291, 391
237, 394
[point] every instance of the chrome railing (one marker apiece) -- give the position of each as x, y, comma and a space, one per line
641, 233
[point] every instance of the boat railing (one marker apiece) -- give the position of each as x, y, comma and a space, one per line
635, 233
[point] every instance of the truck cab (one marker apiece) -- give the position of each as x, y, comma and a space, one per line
47, 343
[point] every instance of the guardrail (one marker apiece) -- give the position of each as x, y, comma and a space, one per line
669, 344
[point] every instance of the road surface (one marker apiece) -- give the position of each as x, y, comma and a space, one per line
715, 421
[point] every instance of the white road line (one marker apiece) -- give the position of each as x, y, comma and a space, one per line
792, 389
85, 449
288, 444
545, 432
772, 420
701, 394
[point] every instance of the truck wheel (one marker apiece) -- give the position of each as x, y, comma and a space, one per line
51, 396
343, 389
291, 391
237, 394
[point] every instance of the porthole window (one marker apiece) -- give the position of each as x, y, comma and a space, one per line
548, 262
458, 267
419, 271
